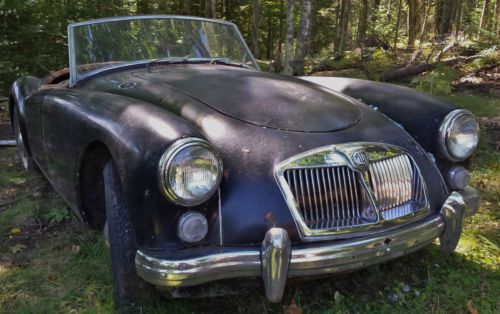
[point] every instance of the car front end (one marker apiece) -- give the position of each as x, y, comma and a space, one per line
352, 204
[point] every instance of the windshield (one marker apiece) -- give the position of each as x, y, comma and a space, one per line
109, 43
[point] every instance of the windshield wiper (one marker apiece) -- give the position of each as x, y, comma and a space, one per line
187, 59
224, 61
166, 60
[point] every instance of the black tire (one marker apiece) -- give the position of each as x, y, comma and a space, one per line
128, 288
22, 152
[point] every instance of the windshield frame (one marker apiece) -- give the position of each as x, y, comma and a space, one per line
73, 75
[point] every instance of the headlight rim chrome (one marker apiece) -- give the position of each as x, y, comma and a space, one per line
444, 132
166, 160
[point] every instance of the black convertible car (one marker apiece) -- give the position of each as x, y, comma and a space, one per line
200, 167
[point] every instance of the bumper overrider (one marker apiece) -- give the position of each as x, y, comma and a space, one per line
277, 260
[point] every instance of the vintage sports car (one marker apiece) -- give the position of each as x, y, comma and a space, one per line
200, 167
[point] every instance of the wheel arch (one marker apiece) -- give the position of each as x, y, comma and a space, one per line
90, 184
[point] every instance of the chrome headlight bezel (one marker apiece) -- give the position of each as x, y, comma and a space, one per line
444, 134
165, 163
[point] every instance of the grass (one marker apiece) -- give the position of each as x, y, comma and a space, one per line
62, 267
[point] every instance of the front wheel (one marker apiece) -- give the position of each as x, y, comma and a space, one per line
128, 288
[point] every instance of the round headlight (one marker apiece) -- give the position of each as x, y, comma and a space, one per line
459, 135
190, 172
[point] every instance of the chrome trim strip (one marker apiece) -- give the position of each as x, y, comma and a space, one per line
219, 210
305, 261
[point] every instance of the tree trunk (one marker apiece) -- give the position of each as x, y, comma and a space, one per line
458, 19
185, 7
290, 10
483, 24
270, 37
363, 23
302, 37
208, 12
412, 22
344, 23
372, 19
424, 22
389, 13
210, 8
229, 9
496, 18
396, 31
213, 8
443, 14
255, 21
336, 34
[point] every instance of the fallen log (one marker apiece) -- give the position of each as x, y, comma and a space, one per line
420, 68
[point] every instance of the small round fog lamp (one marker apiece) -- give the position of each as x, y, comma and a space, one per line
458, 178
192, 227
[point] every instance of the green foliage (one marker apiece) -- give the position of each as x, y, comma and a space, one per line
491, 56
330, 63
57, 214
379, 62
437, 81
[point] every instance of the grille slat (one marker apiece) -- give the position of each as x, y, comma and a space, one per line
327, 197
402, 192
356, 194
351, 188
323, 188
316, 207
332, 207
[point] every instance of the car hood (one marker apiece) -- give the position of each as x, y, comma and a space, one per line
261, 98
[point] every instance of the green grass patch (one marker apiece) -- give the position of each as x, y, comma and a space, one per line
482, 106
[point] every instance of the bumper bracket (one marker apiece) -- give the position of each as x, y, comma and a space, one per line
275, 255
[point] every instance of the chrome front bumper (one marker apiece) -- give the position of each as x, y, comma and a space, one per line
276, 260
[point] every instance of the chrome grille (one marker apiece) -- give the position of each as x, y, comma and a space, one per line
328, 197
343, 189
397, 185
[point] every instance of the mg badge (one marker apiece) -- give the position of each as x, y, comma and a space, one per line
359, 158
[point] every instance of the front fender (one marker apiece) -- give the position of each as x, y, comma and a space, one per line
136, 134
418, 113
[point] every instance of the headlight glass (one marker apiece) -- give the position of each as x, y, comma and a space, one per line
190, 172
459, 135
